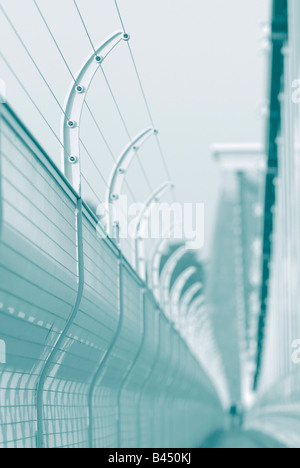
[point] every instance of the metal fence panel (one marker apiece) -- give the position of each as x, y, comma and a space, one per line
38, 278
88, 358
137, 379
122, 355
149, 423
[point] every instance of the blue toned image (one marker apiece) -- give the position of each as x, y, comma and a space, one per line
149, 226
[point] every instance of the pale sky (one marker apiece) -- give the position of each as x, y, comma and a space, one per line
200, 64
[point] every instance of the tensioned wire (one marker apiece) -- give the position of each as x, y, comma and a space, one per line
39, 111
106, 79
92, 116
32, 59
30, 98
39, 72
56, 100
110, 90
144, 97
114, 98
86, 103
47, 84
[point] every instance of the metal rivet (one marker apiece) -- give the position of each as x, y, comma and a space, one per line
121, 171
99, 58
80, 89
126, 37
71, 124
114, 196
73, 159
156, 132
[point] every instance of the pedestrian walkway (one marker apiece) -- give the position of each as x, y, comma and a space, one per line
241, 440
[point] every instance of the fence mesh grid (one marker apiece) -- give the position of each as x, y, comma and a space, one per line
115, 378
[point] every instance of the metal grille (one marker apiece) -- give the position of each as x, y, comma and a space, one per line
38, 257
138, 376
121, 356
86, 343
89, 359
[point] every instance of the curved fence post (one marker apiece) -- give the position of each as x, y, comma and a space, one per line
49, 362
166, 277
138, 240
106, 356
177, 288
186, 300
154, 261
127, 376
76, 98
148, 379
153, 264
120, 169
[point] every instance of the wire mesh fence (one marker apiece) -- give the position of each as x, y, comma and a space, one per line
89, 360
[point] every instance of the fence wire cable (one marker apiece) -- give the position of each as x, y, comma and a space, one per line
126, 128
145, 98
32, 59
86, 103
85, 27
114, 98
31, 99
54, 40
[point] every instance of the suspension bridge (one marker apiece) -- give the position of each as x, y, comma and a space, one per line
117, 341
